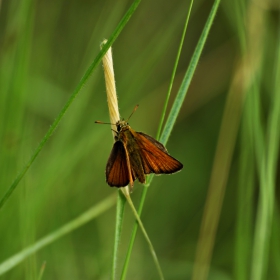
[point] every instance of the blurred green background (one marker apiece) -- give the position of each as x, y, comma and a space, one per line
45, 48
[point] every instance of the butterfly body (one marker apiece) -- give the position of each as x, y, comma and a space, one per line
136, 154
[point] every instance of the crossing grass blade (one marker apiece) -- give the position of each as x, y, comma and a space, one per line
76, 223
174, 114
77, 90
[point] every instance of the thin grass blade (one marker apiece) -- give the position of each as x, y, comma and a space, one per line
188, 76
84, 79
173, 116
174, 71
76, 223
151, 247
119, 221
264, 220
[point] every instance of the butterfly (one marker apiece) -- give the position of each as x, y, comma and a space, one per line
136, 154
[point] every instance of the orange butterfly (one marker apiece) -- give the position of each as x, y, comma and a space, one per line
136, 154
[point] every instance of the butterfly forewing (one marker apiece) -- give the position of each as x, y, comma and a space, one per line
136, 164
155, 158
117, 173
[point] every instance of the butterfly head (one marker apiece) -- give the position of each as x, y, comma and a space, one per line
122, 125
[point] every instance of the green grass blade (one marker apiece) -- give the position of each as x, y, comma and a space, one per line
84, 79
42, 270
151, 247
172, 117
274, 123
69, 227
246, 173
188, 76
149, 179
219, 177
14, 74
134, 232
174, 71
274, 151
275, 244
119, 221
245, 199
267, 185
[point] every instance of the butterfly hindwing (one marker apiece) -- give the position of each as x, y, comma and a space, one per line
155, 158
117, 172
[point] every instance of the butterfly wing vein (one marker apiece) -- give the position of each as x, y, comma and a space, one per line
155, 157
117, 174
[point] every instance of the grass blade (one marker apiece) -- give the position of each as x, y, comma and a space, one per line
174, 71
133, 234
245, 193
84, 79
267, 184
119, 221
42, 270
152, 250
69, 227
149, 179
173, 116
219, 176
188, 76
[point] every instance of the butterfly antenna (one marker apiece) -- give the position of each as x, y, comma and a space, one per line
135, 108
99, 122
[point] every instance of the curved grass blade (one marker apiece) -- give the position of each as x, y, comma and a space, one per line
84, 79
134, 231
173, 116
84, 218
151, 247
